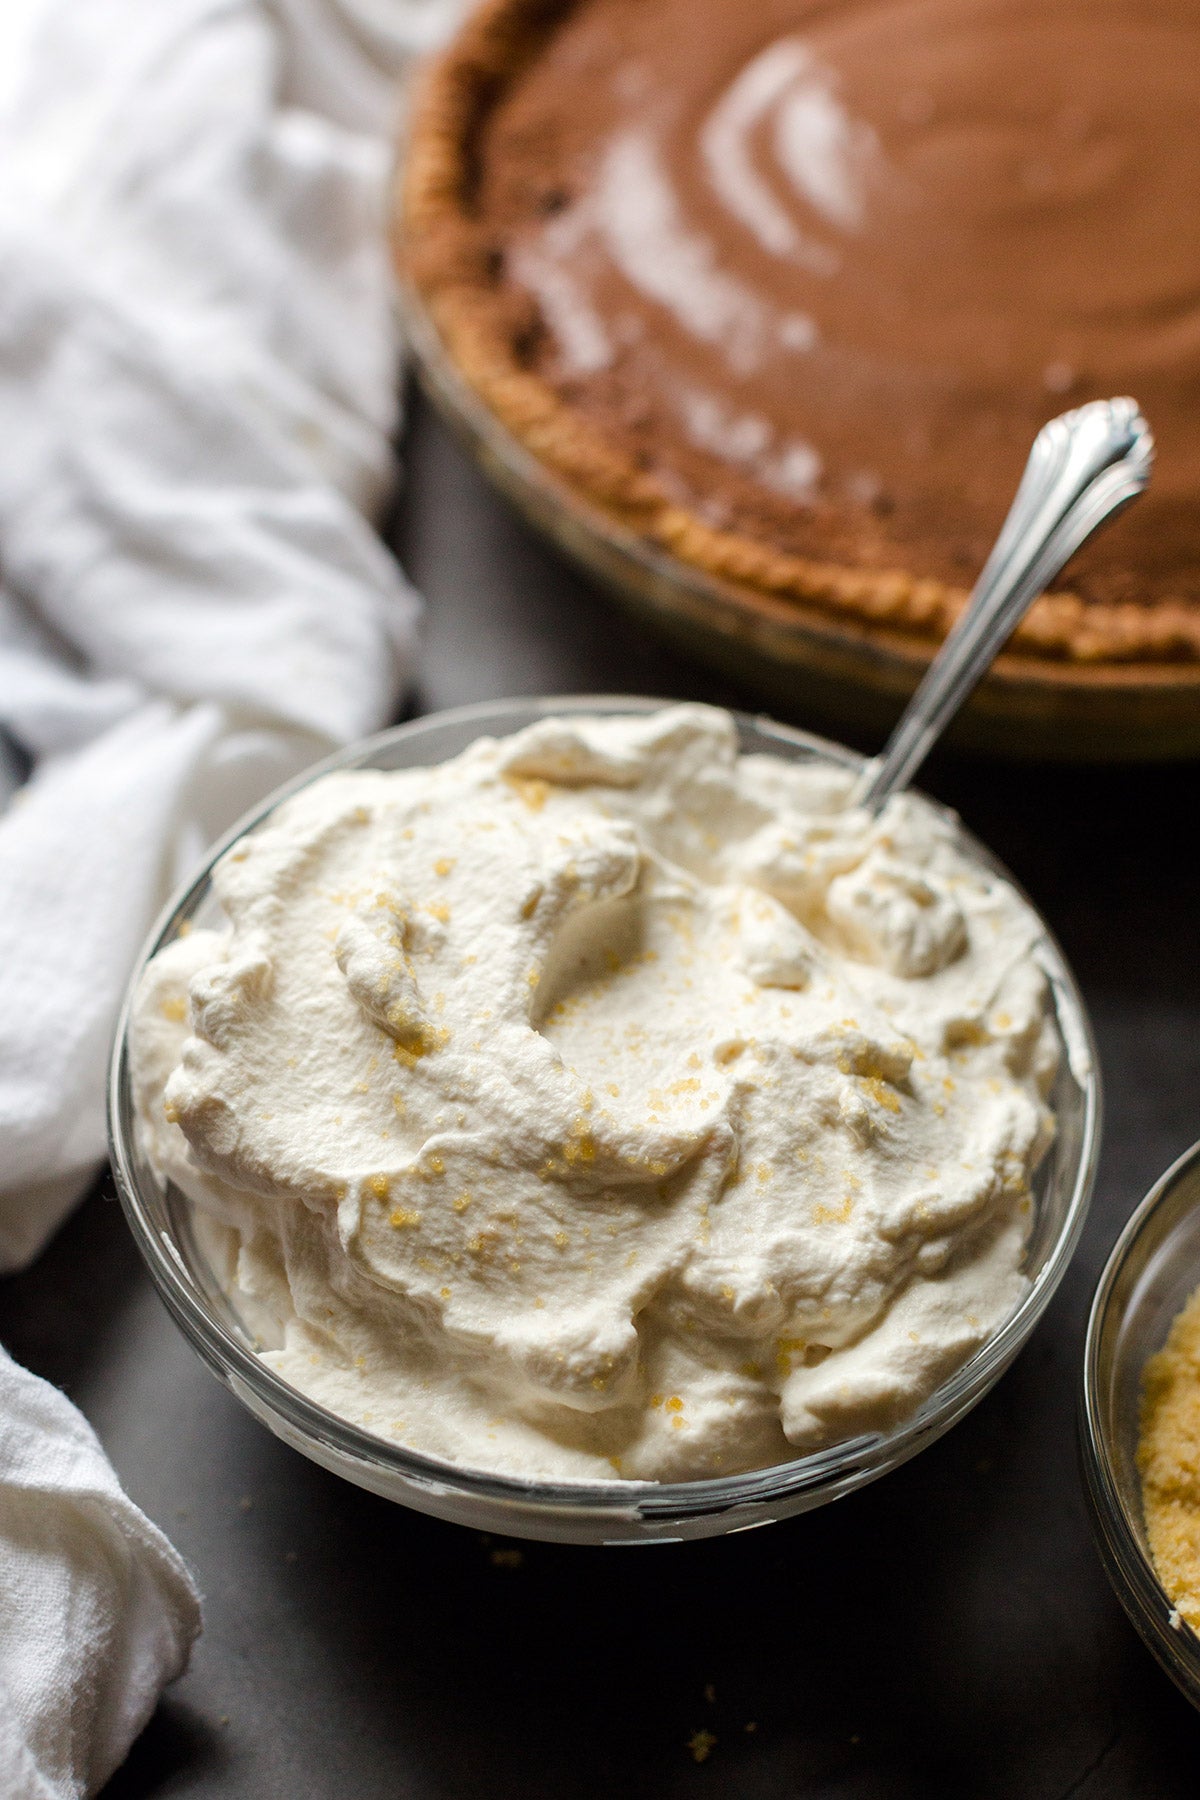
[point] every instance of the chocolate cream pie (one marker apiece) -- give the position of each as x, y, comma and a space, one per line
787, 289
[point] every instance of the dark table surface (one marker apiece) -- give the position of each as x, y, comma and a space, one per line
948, 1631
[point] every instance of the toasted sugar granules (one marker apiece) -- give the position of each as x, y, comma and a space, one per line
1169, 1460
701, 1744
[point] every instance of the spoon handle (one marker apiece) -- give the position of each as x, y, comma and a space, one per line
1084, 467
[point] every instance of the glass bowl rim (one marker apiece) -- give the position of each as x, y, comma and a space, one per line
1129, 1567
875, 1453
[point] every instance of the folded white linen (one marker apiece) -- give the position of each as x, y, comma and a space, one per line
97, 1611
198, 379
198, 364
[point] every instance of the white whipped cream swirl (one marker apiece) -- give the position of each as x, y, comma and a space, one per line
604, 1103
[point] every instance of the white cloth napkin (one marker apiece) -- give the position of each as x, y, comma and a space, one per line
197, 393
97, 1610
198, 365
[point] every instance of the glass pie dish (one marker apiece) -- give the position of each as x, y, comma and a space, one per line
1153, 1270
792, 654
163, 1223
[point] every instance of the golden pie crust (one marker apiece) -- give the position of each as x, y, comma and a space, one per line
452, 262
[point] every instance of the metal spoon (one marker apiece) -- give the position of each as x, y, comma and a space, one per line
1084, 467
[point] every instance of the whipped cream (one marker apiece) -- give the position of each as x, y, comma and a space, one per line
604, 1103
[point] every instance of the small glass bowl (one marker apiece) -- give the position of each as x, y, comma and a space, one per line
1152, 1273
584, 1512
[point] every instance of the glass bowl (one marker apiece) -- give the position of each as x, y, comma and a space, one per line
1152, 1272
610, 1511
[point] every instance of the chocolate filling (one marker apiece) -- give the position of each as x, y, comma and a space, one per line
821, 270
